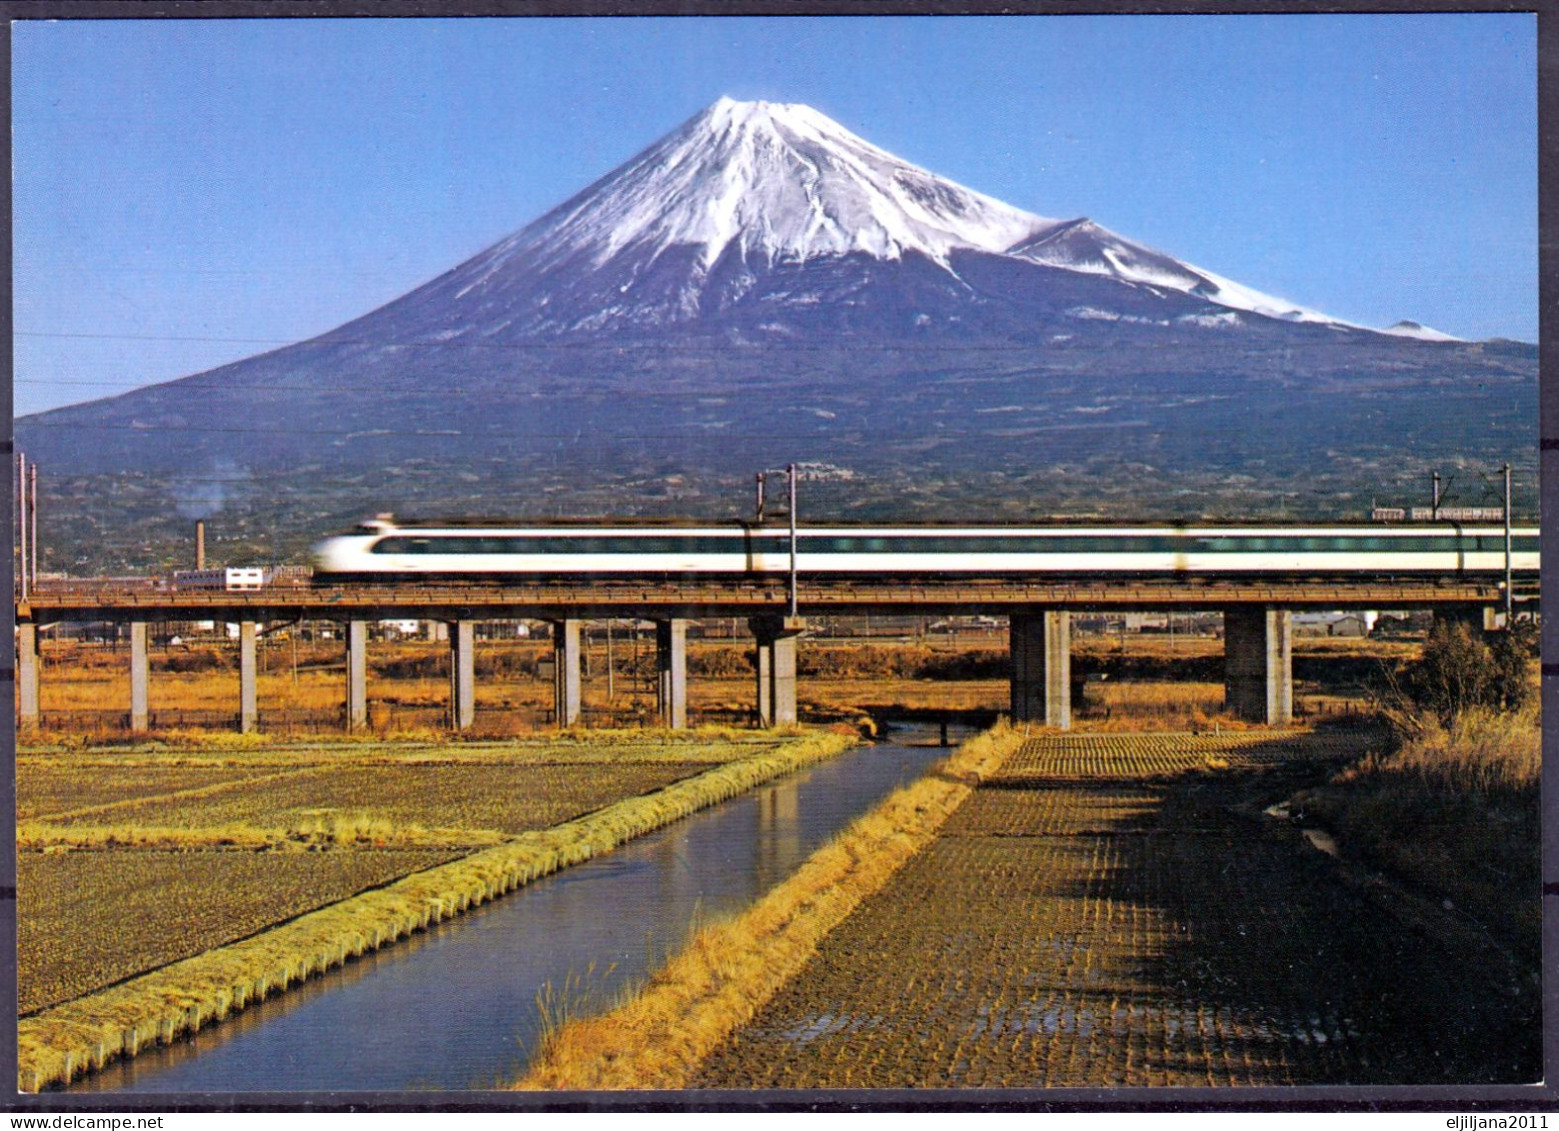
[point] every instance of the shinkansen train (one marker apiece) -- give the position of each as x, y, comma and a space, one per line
380, 551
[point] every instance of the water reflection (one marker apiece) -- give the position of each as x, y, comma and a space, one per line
456, 1007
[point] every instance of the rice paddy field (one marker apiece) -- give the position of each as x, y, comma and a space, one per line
91, 919
132, 858
1116, 911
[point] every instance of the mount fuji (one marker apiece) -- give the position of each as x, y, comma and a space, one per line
761, 286
776, 220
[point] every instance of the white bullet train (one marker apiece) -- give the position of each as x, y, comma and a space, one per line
380, 551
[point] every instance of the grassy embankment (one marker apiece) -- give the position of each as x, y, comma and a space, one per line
727, 971
1453, 813
59, 1043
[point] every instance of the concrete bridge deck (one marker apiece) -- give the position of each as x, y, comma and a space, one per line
705, 598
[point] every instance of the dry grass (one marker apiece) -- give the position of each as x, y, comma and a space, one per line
1482, 749
1454, 814
62, 1041
1153, 706
324, 830
728, 971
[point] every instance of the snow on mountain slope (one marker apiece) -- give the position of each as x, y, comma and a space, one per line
701, 223
777, 182
1082, 245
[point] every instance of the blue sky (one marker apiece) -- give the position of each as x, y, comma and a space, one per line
191, 192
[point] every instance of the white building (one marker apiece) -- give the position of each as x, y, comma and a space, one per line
232, 579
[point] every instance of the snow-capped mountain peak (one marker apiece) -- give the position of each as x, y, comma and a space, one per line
779, 182
731, 209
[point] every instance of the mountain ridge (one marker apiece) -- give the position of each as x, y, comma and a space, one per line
643, 352
781, 184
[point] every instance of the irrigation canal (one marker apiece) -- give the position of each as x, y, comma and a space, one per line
456, 1007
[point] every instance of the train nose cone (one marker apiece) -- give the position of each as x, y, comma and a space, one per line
329, 555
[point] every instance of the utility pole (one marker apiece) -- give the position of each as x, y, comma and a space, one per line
1509, 593
32, 517
761, 517
1434, 499
790, 471
21, 521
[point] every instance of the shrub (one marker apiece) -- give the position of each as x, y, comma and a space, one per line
1460, 670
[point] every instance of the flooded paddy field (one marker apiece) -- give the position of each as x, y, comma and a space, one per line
1118, 911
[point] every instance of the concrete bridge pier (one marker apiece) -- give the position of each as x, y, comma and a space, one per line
671, 667
1041, 645
1258, 664
356, 675
140, 669
27, 672
565, 672
462, 673
248, 696
776, 637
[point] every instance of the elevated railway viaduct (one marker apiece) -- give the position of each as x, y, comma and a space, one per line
1257, 627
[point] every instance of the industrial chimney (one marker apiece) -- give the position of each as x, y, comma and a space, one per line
200, 544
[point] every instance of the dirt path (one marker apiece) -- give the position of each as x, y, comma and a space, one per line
1115, 911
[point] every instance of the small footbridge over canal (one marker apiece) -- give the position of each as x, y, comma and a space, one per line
1037, 580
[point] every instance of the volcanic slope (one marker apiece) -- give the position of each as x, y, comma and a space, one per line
762, 286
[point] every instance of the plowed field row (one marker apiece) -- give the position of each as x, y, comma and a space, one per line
45, 791
509, 799
1115, 934
89, 919
1093, 757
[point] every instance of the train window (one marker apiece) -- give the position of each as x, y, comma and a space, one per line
400, 545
